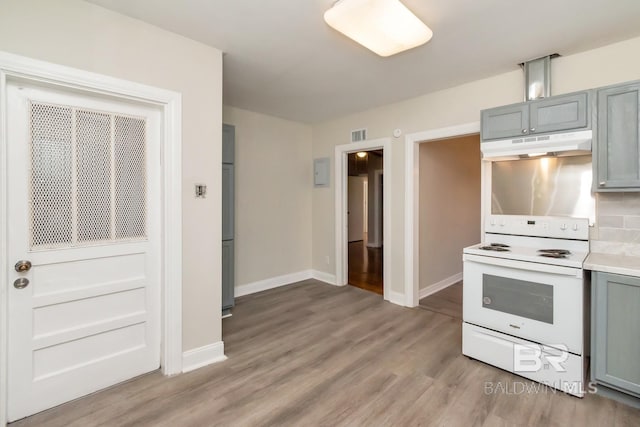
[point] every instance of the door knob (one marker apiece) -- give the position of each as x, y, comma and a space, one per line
23, 266
21, 283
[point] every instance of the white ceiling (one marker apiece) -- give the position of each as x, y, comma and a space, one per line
282, 59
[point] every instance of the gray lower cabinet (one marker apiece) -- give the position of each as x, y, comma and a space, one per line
554, 114
227, 275
615, 344
616, 157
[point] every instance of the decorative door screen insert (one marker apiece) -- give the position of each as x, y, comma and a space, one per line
88, 177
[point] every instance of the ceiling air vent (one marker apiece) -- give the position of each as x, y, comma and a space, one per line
358, 135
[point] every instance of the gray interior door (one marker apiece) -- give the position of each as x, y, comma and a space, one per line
228, 217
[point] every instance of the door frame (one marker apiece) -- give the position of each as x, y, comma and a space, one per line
341, 221
15, 68
412, 201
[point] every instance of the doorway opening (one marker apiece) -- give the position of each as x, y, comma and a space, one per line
364, 220
449, 217
414, 141
341, 206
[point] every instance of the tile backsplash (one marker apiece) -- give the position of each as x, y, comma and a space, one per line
617, 228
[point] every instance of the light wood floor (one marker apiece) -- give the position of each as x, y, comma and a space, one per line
312, 354
447, 301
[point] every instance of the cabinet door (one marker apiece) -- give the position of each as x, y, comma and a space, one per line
228, 277
228, 143
617, 163
505, 122
228, 201
616, 316
559, 113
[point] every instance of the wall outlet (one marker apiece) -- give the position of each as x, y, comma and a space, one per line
326, 259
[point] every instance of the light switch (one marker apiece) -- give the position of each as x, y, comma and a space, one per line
201, 191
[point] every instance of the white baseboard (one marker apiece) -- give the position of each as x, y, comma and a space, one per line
273, 282
203, 356
432, 289
396, 298
324, 277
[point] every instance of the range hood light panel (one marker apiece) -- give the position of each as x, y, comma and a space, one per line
562, 144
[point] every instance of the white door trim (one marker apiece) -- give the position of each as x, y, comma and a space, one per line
341, 221
411, 200
19, 68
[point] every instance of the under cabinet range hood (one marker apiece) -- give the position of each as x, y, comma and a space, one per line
542, 125
558, 144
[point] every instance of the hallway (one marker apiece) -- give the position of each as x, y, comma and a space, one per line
365, 266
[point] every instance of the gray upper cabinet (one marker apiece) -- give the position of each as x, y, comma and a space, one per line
558, 113
615, 347
617, 147
228, 143
228, 201
505, 122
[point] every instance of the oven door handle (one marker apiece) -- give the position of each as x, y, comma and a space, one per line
524, 265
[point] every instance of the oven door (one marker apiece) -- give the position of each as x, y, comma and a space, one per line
538, 302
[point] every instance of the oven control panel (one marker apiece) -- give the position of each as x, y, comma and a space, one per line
539, 226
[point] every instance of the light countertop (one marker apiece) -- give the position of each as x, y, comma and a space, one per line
616, 264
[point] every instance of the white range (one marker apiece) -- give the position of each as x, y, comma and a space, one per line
524, 298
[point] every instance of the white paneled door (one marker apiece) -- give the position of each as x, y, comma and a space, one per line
84, 241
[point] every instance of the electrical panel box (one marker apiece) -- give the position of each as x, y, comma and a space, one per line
321, 172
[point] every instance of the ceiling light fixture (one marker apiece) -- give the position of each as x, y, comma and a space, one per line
361, 154
386, 27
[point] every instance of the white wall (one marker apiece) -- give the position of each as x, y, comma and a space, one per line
458, 105
81, 35
449, 211
274, 183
